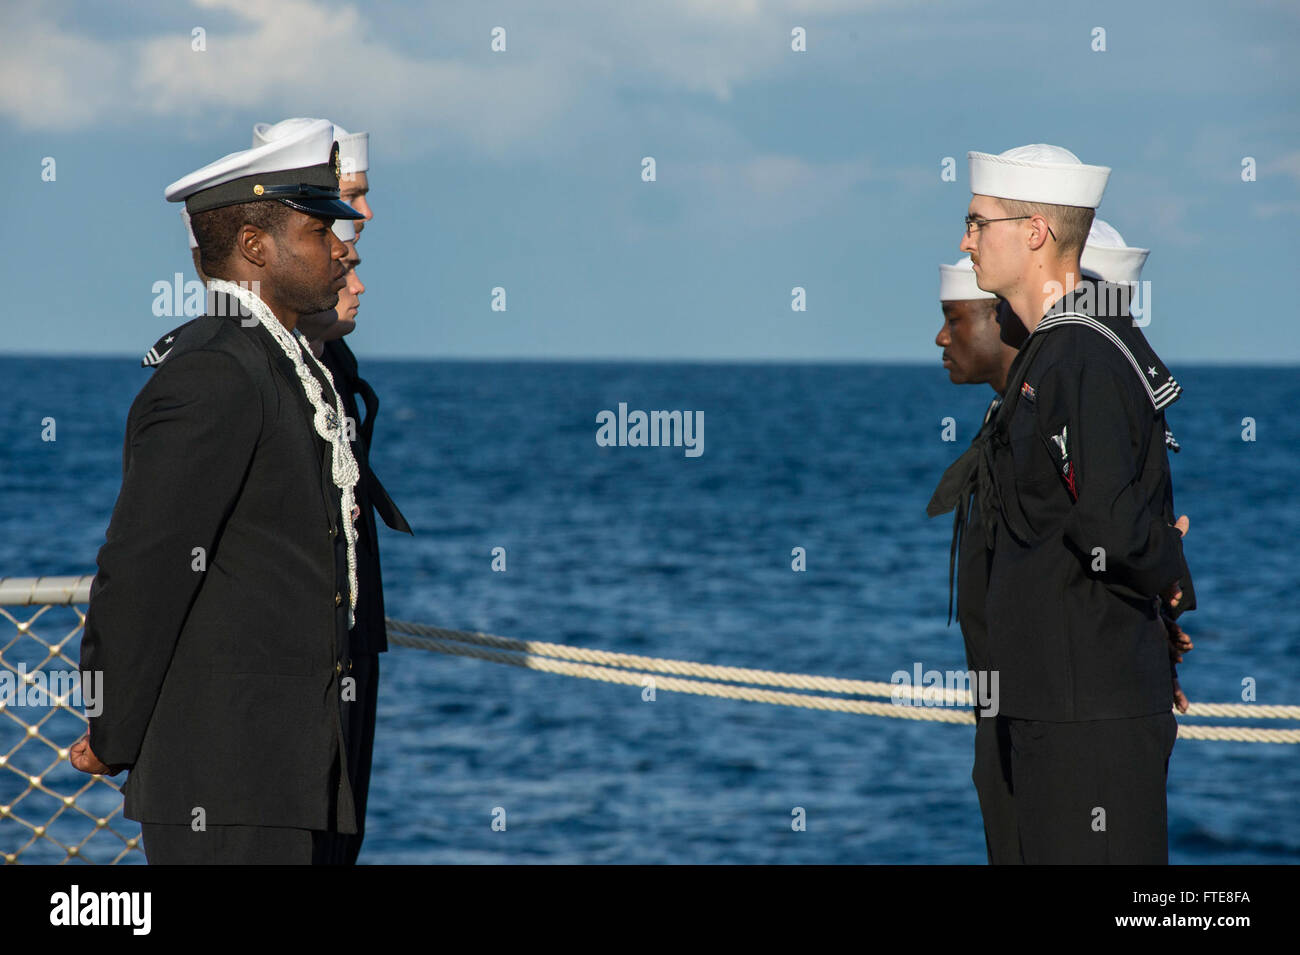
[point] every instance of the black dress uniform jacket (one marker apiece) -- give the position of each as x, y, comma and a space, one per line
221, 676
1080, 519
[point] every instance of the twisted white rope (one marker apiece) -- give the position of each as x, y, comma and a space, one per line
698, 687
611, 667
800, 681
327, 421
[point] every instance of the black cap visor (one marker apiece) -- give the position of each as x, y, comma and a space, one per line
329, 208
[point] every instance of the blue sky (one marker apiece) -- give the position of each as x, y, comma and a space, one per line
775, 169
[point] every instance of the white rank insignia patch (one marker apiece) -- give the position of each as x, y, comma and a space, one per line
1067, 469
1059, 441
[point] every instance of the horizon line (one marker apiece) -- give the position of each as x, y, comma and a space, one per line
654, 360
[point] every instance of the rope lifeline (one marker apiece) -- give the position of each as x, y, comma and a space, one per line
610, 667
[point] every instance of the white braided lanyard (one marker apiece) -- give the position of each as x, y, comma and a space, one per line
328, 421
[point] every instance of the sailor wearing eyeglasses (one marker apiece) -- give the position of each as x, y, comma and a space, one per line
1079, 518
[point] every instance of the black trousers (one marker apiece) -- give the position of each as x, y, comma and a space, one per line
166, 844
1091, 792
992, 777
359, 735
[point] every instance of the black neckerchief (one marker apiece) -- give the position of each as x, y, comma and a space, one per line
959, 481
349, 381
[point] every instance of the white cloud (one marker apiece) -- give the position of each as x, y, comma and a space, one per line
282, 58
1287, 164
50, 79
1271, 210
758, 193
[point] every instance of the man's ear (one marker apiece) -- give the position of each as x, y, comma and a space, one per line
1040, 234
251, 243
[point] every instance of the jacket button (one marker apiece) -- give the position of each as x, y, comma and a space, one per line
349, 666
333, 531
338, 668
338, 599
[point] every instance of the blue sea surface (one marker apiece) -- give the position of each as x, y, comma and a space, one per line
651, 551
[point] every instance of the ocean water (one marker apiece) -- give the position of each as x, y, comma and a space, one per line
652, 551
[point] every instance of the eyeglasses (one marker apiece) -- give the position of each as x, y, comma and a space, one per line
974, 223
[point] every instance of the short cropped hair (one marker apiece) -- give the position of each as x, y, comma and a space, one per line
215, 229
1070, 223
